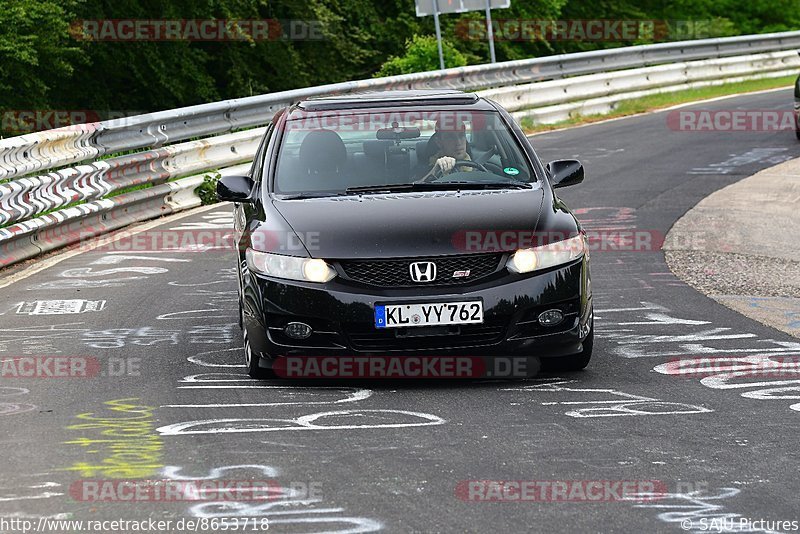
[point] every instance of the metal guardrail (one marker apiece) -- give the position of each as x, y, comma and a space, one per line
553, 101
25, 197
518, 85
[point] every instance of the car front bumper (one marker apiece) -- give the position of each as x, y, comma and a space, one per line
342, 317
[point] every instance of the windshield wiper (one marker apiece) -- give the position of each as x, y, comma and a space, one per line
436, 186
301, 196
490, 185
385, 187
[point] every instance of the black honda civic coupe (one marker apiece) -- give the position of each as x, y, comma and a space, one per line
404, 224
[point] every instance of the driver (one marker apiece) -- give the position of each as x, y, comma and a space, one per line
451, 145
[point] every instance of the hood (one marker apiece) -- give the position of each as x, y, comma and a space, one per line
412, 224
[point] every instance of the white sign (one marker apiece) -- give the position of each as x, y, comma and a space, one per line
59, 307
425, 7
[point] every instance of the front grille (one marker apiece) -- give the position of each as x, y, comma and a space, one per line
395, 273
372, 339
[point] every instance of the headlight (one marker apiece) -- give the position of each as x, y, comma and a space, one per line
289, 267
526, 260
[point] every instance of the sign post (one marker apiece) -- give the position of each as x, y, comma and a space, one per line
435, 7
438, 33
489, 31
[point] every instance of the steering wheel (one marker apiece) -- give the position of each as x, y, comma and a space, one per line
437, 174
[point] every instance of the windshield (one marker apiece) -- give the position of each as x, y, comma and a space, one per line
345, 152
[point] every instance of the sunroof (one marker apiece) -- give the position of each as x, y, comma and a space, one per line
399, 98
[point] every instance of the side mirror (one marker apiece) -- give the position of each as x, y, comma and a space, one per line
235, 188
564, 172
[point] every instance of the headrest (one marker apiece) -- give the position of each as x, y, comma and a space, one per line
323, 150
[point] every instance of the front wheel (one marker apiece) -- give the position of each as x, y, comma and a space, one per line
251, 359
576, 362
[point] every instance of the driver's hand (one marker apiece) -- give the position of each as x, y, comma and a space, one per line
446, 164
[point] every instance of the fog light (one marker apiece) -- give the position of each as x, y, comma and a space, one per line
550, 317
297, 330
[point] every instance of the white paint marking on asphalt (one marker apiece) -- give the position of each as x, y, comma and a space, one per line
37, 339
60, 307
636, 343
212, 377
82, 284
774, 394
113, 259
198, 361
721, 381
305, 422
44, 495
663, 319
13, 408
219, 220
192, 314
46, 263
116, 338
172, 472
292, 503
80, 272
693, 511
628, 405
757, 155
722, 370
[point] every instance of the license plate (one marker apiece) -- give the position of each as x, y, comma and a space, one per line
442, 313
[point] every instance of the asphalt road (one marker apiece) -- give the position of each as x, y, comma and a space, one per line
169, 398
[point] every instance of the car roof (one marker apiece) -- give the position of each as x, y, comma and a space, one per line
383, 99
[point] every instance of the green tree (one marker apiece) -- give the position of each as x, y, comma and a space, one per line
36, 53
422, 54
42, 64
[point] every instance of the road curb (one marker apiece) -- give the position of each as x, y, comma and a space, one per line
739, 247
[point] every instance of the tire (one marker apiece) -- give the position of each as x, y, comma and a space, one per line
576, 362
251, 359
